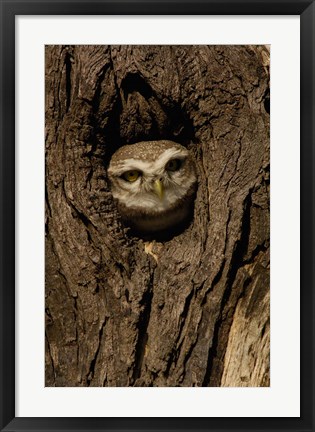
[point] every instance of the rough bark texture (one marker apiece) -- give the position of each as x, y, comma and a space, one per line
190, 311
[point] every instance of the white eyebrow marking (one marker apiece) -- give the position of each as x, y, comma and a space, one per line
152, 166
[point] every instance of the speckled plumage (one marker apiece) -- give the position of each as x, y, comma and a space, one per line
145, 150
140, 206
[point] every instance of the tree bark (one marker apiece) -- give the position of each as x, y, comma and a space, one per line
189, 311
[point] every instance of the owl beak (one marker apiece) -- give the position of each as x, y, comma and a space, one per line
158, 188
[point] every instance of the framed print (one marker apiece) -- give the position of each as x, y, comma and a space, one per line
157, 215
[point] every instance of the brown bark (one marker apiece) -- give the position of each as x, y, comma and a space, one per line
189, 311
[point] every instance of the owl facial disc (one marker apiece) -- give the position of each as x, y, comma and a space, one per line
153, 183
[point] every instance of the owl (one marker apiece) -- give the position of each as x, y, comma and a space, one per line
154, 184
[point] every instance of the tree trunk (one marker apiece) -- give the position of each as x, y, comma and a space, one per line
189, 311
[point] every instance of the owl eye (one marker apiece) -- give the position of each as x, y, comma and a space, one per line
131, 175
173, 165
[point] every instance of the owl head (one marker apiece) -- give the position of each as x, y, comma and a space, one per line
154, 184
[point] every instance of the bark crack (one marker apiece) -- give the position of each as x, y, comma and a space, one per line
90, 374
236, 262
51, 357
68, 61
175, 353
143, 322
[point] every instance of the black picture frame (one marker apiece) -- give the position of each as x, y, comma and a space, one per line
9, 10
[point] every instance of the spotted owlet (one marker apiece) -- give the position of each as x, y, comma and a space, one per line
154, 184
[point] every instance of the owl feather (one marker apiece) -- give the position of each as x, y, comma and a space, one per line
153, 184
